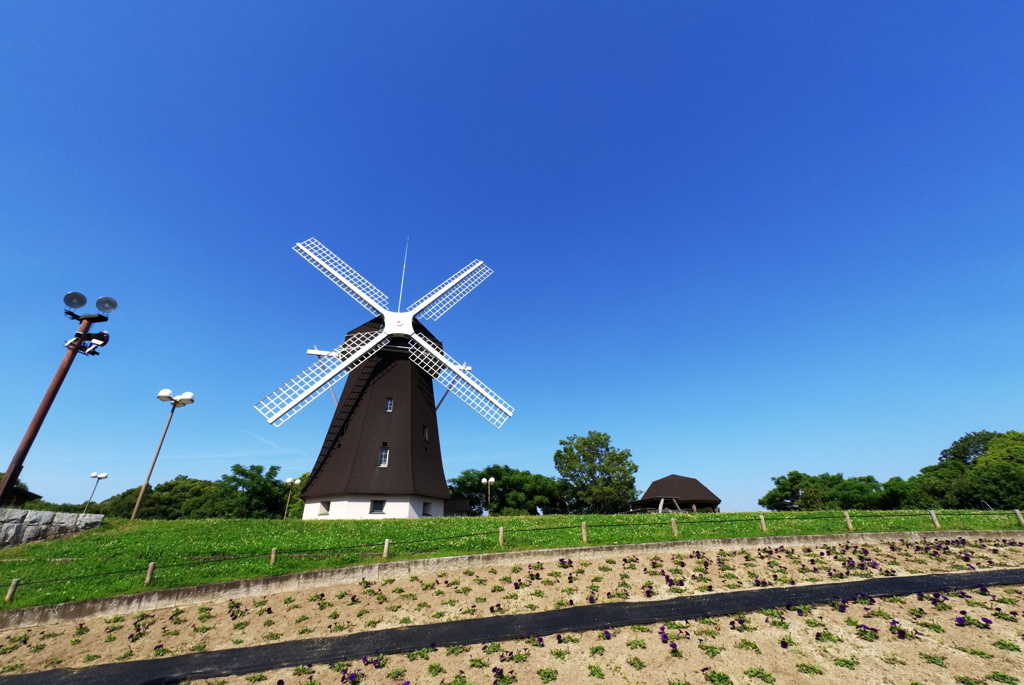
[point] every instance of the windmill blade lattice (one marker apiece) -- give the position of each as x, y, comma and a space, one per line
286, 401
434, 304
461, 382
343, 275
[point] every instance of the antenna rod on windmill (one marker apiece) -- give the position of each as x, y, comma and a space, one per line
405, 261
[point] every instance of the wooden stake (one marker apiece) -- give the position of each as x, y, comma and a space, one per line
849, 523
764, 528
675, 531
584, 532
501, 536
1019, 517
273, 556
14, 588
935, 519
387, 546
149, 572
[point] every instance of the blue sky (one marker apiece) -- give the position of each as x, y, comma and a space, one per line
741, 238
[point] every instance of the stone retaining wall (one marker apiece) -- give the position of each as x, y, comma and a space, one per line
22, 525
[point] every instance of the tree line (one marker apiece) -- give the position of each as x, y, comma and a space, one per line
595, 477
981, 470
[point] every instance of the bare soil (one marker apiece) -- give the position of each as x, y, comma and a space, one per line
962, 637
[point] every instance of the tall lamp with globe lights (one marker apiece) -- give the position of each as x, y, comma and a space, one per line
84, 342
488, 482
176, 401
291, 483
98, 477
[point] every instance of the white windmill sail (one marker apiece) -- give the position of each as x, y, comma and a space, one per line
286, 401
459, 380
434, 304
343, 275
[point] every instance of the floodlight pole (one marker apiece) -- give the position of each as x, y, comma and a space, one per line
74, 346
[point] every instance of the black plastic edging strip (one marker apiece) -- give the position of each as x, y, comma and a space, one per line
328, 650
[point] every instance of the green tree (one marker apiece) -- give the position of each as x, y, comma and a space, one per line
514, 492
968, 448
598, 478
785, 496
251, 493
1003, 447
998, 484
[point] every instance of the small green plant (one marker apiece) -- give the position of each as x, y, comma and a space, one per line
396, 673
712, 650
760, 674
850, 663
597, 650
934, 660
256, 677
547, 675
435, 669
1000, 677
596, 671
747, 644
718, 678
809, 669
1008, 646
635, 662
302, 670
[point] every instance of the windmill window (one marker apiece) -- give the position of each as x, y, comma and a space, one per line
325, 509
382, 456
426, 509
426, 434
389, 404
377, 506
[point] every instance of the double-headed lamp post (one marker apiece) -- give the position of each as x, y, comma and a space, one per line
488, 482
98, 477
291, 483
176, 401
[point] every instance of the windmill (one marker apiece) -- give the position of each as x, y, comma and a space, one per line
381, 455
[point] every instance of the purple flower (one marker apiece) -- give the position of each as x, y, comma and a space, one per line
607, 635
784, 644
671, 645
960, 621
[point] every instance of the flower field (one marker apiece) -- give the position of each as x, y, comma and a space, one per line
958, 636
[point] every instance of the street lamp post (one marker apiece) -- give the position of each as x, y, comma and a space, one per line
84, 342
488, 482
181, 400
98, 477
291, 483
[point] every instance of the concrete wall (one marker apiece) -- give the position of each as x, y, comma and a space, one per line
21, 525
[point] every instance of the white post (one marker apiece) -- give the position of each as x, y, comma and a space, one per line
14, 588
387, 546
935, 519
764, 528
849, 523
584, 527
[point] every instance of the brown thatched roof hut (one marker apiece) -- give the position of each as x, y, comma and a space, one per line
676, 493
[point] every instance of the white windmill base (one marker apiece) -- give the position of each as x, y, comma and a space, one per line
373, 507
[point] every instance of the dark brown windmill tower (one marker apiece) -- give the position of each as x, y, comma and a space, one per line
382, 456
